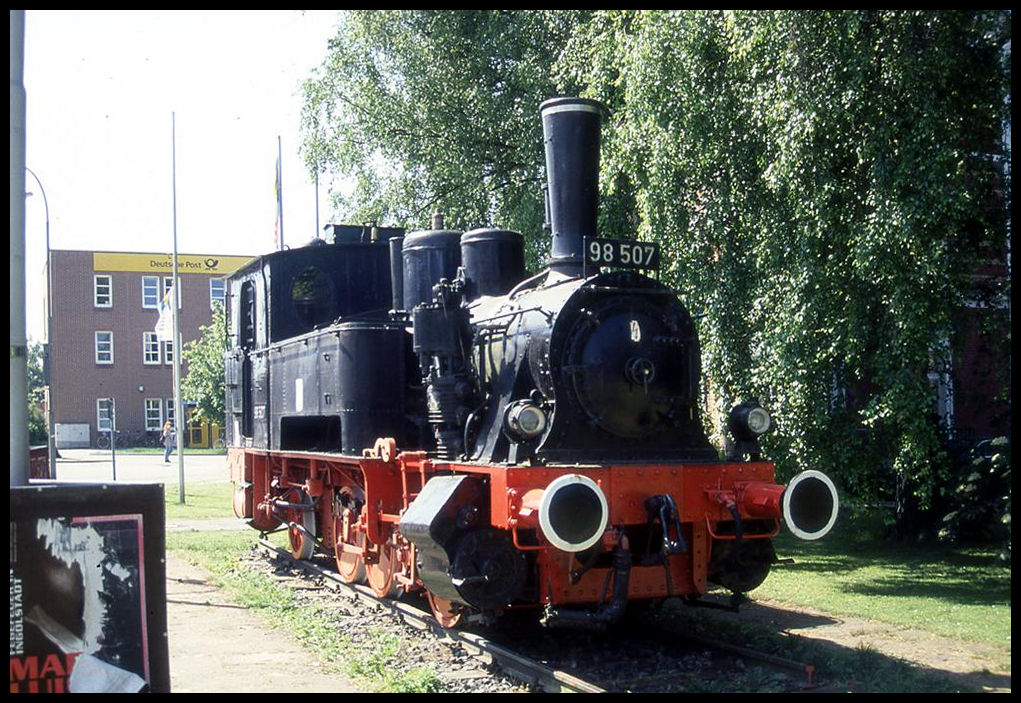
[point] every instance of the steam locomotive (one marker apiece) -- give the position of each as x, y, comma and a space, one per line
417, 407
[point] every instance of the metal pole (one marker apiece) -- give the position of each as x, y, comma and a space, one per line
280, 191
113, 438
51, 450
18, 336
178, 409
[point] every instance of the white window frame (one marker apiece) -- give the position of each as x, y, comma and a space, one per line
171, 412
96, 285
154, 282
99, 358
153, 423
151, 351
168, 352
103, 419
220, 300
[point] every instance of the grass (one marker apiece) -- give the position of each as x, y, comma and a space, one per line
949, 591
201, 501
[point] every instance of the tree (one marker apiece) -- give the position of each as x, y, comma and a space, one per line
428, 110
205, 383
818, 181
37, 432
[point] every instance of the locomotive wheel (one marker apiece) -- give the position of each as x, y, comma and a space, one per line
447, 613
380, 576
350, 567
301, 527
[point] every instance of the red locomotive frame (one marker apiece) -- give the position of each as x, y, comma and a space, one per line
273, 488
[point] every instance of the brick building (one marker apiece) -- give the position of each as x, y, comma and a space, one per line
104, 354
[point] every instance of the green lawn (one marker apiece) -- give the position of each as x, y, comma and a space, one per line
201, 500
951, 591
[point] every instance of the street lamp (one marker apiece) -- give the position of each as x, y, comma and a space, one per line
51, 450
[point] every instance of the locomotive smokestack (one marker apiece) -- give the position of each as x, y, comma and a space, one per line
570, 129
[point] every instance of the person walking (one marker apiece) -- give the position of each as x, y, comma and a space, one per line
168, 438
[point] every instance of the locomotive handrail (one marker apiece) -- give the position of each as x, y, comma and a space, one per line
764, 535
526, 283
631, 291
513, 313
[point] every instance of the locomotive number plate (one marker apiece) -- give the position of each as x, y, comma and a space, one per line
622, 253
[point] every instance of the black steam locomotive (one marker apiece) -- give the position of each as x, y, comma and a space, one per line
440, 422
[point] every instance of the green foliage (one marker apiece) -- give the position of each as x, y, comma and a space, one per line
821, 183
818, 181
205, 382
37, 433
435, 110
980, 505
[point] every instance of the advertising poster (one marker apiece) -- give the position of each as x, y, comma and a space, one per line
80, 612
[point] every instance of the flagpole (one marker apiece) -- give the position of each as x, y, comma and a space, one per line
280, 189
178, 409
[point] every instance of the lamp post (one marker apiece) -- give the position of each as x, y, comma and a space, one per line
51, 450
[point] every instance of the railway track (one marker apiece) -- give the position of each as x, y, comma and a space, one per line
632, 659
521, 668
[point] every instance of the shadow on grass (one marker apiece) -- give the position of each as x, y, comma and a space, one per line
960, 576
838, 667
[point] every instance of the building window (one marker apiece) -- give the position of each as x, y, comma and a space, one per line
217, 293
104, 414
171, 415
150, 348
168, 352
104, 347
151, 292
153, 414
102, 291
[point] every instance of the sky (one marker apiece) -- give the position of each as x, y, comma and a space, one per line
112, 96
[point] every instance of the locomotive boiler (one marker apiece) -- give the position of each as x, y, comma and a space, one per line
418, 407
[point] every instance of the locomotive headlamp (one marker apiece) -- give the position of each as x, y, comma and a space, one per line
748, 420
758, 420
525, 420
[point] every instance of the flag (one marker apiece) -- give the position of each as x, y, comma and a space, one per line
165, 324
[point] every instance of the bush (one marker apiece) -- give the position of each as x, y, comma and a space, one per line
980, 505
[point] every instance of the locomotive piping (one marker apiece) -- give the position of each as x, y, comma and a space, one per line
605, 615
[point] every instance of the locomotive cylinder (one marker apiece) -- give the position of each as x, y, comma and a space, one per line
570, 128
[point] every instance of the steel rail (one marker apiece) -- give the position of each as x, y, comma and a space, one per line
513, 664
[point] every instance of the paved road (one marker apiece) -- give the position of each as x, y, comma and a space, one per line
94, 465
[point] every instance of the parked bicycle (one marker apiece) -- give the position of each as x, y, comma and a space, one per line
103, 440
